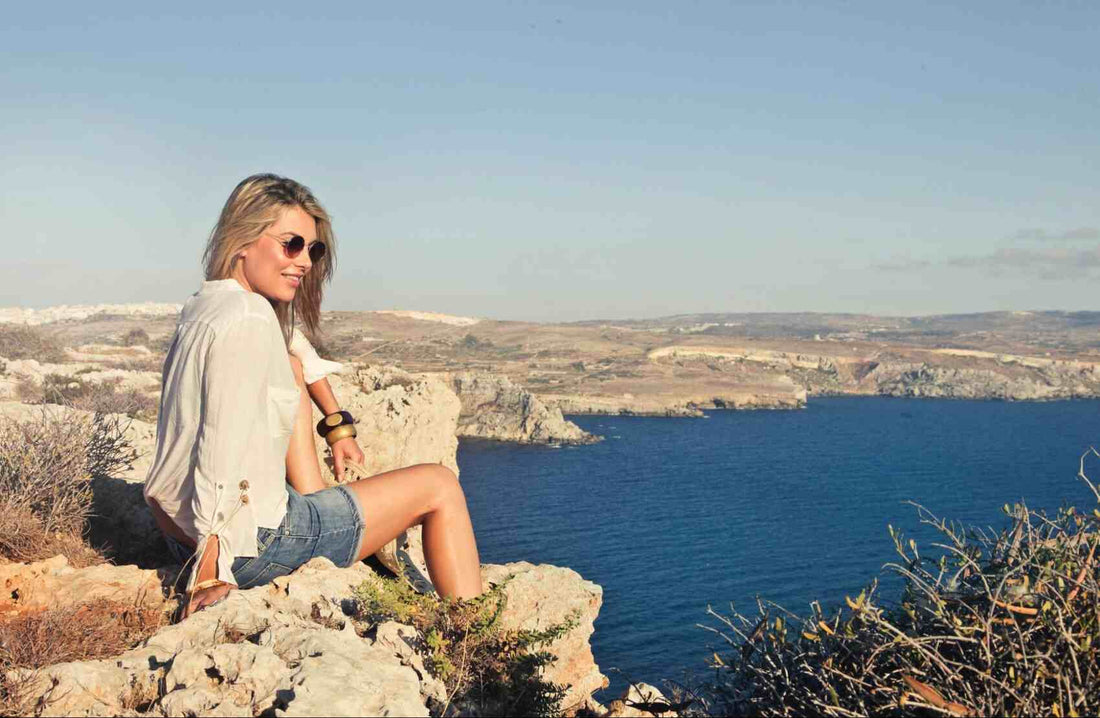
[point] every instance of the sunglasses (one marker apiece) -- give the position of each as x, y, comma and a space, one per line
294, 246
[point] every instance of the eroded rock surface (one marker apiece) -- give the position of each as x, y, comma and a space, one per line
540, 596
290, 649
402, 419
53, 583
495, 408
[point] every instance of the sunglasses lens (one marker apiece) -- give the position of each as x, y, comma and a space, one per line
294, 246
316, 251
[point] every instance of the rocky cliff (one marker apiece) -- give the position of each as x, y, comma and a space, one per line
495, 408
935, 373
290, 648
293, 647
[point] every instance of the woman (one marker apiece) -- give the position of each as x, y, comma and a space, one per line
235, 483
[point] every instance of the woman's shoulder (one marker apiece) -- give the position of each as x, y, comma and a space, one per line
222, 310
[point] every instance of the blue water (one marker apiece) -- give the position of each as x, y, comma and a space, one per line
670, 515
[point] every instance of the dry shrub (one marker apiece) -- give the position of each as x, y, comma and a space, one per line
103, 397
996, 624
106, 398
135, 337
46, 465
100, 629
22, 341
154, 363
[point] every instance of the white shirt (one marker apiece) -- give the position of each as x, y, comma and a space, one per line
227, 409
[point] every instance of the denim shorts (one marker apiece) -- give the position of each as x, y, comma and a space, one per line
326, 523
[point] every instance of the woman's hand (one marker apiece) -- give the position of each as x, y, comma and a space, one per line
199, 600
343, 450
208, 589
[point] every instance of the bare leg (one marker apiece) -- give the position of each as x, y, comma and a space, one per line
427, 494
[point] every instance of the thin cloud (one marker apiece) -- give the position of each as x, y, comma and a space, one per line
1046, 263
902, 265
1081, 234
1052, 263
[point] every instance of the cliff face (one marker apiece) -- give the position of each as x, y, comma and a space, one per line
288, 648
937, 373
495, 408
989, 382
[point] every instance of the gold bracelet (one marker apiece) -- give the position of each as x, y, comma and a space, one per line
340, 432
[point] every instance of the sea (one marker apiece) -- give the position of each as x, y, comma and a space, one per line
672, 515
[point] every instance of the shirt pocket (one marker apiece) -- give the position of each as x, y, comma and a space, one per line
282, 405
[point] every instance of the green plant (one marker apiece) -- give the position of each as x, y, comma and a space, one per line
995, 624
485, 668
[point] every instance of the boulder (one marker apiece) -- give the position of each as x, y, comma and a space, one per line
53, 583
402, 419
638, 694
540, 596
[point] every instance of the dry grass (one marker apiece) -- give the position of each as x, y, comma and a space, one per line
1005, 624
46, 465
72, 633
154, 363
21, 341
103, 397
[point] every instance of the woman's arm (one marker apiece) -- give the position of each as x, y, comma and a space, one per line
314, 369
345, 449
321, 393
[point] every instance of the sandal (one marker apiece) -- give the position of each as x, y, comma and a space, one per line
401, 564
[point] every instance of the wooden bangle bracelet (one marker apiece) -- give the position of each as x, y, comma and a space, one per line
340, 432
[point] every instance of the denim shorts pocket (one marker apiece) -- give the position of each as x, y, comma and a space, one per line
264, 538
268, 573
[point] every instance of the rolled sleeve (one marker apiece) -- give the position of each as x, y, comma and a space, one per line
234, 391
314, 368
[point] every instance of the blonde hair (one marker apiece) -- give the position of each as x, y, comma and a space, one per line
253, 206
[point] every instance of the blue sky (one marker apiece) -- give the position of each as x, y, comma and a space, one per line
570, 160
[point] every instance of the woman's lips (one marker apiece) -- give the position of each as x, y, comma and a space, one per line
295, 281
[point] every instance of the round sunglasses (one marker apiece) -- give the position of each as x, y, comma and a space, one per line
294, 246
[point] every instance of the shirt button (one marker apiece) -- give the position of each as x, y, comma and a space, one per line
220, 486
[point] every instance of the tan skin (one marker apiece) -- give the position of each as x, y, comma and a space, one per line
426, 494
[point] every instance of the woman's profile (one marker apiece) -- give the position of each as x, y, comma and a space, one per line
235, 484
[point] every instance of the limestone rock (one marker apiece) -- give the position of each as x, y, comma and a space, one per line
54, 583
626, 405
287, 649
260, 650
402, 420
627, 704
540, 596
986, 380
495, 408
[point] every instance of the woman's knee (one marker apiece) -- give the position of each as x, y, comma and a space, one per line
445, 486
